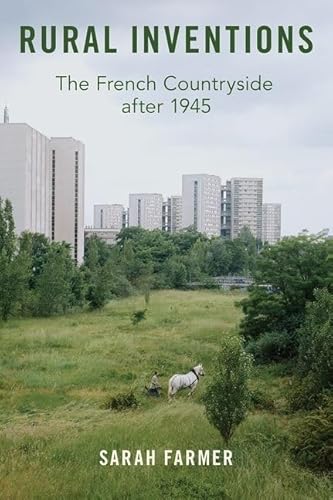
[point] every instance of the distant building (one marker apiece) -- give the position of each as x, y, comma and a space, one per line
172, 214
271, 223
201, 203
109, 236
67, 193
176, 208
145, 210
25, 175
44, 180
109, 216
246, 205
226, 211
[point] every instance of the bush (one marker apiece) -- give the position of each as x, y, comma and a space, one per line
314, 370
138, 316
272, 346
304, 394
121, 402
261, 401
227, 397
316, 340
312, 439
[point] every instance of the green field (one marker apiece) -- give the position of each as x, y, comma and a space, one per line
56, 373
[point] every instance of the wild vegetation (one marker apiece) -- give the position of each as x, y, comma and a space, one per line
79, 343
57, 374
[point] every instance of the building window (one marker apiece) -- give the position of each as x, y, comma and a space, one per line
139, 213
53, 194
195, 208
76, 204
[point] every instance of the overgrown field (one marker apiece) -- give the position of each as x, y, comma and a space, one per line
56, 373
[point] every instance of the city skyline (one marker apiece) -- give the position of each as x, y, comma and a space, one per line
283, 136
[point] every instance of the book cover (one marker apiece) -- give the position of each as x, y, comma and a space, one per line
166, 250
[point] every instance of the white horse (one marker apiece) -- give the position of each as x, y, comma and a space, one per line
187, 381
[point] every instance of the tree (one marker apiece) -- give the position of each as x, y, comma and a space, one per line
314, 368
14, 264
99, 286
175, 272
54, 284
7, 229
218, 258
227, 397
14, 275
286, 277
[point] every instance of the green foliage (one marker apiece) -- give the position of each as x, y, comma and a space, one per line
286, 277
121, 402
312, 438
272, 346
14, 264
99, 286
304, 393
314, 369
14, 275
54, 283
261, 401
316, 339
138, 316
7, 229
227, 397
176, 273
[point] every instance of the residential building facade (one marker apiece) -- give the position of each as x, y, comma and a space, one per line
67, 193
25, 176
271, 223
201, 203
246, 205
145, 210
109, 216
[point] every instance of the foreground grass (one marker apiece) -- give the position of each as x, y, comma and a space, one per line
56, 373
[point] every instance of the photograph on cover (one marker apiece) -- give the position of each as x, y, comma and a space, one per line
166, 250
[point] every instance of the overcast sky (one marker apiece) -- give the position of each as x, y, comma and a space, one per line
284, 136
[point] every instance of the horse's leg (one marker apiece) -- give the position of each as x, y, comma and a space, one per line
192, 390
171, 392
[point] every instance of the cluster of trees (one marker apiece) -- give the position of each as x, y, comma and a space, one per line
288, 315
39, 277
286, 278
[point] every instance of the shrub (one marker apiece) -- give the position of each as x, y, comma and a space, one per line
304, 394
314, 370
312, 439
138, 316
121, 402
316, 339
261, 401
272, 346
227, 397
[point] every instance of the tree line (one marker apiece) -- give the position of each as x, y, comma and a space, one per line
39, 277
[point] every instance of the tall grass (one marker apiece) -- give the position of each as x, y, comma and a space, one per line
56, 373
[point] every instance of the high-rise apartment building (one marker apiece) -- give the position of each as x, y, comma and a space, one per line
271, 223
226, 211
145, 210
25, 176
201, 203
44, 180
246, 205
67, 193
172, 214
109, 216
176, 209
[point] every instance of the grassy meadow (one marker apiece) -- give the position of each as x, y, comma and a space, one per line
56, 373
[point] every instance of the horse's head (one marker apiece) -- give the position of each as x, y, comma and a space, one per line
199, 370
